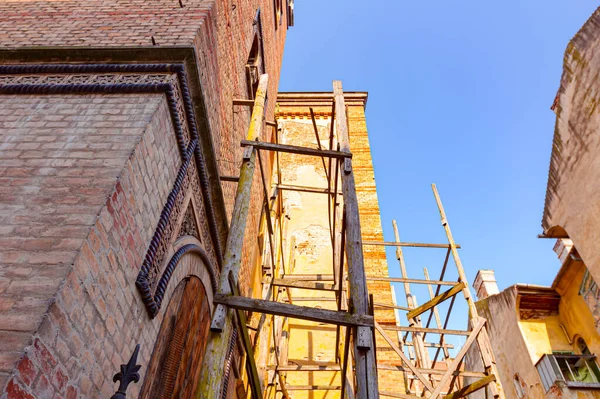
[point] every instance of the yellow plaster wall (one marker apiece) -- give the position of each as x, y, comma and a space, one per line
574, 312
545, 335
308, 227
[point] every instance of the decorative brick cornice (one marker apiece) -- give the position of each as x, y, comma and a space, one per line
297, 105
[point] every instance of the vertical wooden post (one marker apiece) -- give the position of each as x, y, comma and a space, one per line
221, 325
482, 339
421, 354
364, 353
438, 321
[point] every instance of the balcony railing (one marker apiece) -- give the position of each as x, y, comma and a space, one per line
575, 371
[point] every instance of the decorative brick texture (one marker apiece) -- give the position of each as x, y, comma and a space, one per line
117, 158
85, 178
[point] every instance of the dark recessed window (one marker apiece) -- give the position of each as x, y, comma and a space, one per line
255, 66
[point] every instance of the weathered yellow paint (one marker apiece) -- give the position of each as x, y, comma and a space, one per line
542, 336
545, 335
308, 224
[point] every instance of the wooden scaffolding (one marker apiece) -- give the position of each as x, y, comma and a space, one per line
354, 320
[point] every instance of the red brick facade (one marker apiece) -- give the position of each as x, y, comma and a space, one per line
85, 178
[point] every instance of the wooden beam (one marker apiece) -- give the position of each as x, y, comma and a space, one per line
310, 285
411, 280
309, 277
398, 395
364, 356
458, 359
406, 361
306, 367
255, 382
385, 305
313, 387
436, 301
306, 189
469, 389
438, 320
473, 374
294, 149
218, 344
426, 330
408, 244
229, 178
431, 345
243, 101
421, 354
313, 299
294, 311
316, 129
483, 339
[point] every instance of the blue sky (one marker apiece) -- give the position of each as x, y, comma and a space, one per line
459, 95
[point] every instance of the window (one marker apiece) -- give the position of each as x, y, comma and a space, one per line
588, 286
278, 7
518, 386
576, 371
255, 66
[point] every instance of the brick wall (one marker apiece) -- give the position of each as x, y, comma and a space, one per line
221, 34
73, 190
70, 256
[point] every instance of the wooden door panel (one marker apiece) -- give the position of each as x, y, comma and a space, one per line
179, 350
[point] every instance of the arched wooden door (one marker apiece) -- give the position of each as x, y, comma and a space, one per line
179, 349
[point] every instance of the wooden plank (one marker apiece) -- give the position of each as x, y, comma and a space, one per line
473, 374
309, 285
243, 101
309, 277
364, 357
438, 320
316, 129
255, 382
294, 311
306, 189
483, 340
436, 301
421, 354
294, 149
431, 345
408, 244
427, 330
406, 361
313, 299
458, 359
385, 305
469, 389
313, 387
306, 367
218, 344
345, 361
411, 280
229, 178
398, 395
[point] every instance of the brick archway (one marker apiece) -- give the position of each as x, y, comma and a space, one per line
174, 368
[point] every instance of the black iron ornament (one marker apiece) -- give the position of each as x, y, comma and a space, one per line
127, 375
